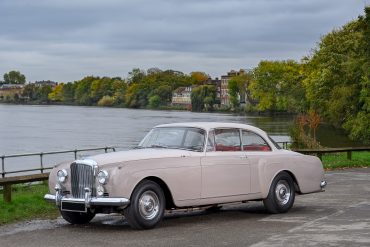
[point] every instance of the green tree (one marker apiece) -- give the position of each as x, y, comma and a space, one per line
238, 88
29, 91
337, 82
197, 99
56, 93
277, 86
82, 90
135, 76
42, 93
203, 98
14, 77
119, 87
154, 82
154, 101
68, 92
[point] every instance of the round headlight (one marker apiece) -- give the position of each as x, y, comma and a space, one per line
100, 190
62, 175
102, 177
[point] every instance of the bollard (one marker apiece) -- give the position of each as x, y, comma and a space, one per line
7, 193
41, 163
349, 155
3, 166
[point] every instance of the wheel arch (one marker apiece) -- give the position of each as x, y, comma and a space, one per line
291, 174
167, 193
296, 184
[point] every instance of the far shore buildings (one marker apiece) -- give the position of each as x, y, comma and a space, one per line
182, 95
9, 91
46, 83
225, 97
12, 91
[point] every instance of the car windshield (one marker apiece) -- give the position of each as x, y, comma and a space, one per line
175, 138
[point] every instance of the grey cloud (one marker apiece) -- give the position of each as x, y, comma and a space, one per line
76, 38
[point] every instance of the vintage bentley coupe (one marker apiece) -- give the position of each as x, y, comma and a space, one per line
184, 165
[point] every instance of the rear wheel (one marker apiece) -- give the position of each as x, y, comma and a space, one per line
77, 217
281, 194
147, 206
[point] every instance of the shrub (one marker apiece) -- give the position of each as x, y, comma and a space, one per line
106, 101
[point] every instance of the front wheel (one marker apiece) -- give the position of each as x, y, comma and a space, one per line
77, 218
147, 206
281, 194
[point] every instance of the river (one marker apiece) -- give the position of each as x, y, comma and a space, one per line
29, 128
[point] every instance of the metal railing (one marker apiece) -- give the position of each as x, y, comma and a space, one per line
285, 144
41, 167
319, 152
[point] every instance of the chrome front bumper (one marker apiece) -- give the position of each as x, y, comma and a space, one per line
88, 201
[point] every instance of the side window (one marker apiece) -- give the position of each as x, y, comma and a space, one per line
194, 139
211, 141
227, 140
253, 142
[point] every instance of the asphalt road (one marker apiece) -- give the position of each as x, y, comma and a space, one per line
338, 217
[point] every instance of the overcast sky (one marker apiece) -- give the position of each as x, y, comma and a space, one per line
65, 40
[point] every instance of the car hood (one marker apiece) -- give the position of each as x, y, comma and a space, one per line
137, 154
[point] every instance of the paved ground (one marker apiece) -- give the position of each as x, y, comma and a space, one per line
338, 217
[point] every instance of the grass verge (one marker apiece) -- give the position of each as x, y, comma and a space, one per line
340, 161
27, 203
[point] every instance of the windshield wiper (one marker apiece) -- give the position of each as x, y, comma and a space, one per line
138, 147
158, 146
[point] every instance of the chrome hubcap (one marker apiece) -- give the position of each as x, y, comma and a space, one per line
282, 192
149, 205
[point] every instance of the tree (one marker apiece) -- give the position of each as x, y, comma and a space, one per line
56, 93
198, 77
197, 99
238, 89
154, 101
338, 75
42, 93
203, 98
135, 76
277, 86
106, 101
29, 91
82, 90
155, 82
119, 86
313, 120
14, 77
68, 92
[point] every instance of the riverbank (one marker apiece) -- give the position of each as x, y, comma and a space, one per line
340, 161
28, 202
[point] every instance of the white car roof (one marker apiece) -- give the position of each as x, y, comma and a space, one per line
212, 125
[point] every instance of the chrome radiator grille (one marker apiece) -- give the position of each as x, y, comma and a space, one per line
82, 176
